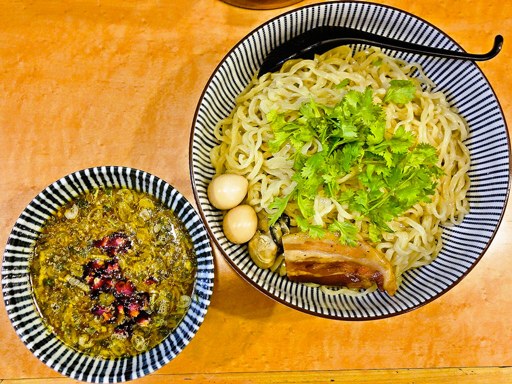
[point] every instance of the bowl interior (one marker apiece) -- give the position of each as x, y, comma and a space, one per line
17, 290
467, 90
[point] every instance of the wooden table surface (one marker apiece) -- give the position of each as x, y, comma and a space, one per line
87, 83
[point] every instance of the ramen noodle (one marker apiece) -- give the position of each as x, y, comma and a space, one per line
414, 237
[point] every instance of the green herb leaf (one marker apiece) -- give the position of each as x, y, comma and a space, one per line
343, 84
400, 92
392, 172
315, 231
278, 206
346, 230
374, 233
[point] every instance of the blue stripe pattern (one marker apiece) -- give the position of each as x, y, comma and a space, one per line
467, 90
17, 290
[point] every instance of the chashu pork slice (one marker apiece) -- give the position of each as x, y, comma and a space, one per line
328, 262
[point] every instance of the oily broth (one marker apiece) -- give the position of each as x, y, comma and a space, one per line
112, 272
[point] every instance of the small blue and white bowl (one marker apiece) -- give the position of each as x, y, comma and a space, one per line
467, 90
17, 290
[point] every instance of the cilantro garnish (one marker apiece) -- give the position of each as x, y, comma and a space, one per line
400, 91
390, 171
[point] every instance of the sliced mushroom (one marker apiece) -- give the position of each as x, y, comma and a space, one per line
263, 250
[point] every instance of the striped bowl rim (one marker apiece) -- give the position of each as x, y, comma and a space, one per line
467, 89
17, 291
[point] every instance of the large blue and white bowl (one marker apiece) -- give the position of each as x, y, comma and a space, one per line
467, 90
17, 291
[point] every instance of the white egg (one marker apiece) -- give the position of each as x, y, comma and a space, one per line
227, 190
240, 224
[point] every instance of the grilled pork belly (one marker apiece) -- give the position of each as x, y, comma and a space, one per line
326, 261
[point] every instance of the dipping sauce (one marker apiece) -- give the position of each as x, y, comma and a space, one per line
112, 272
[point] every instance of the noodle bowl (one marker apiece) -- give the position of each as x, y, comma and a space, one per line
466, 90
244, 137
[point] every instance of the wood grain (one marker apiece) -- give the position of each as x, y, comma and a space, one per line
116, 83
487, 375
